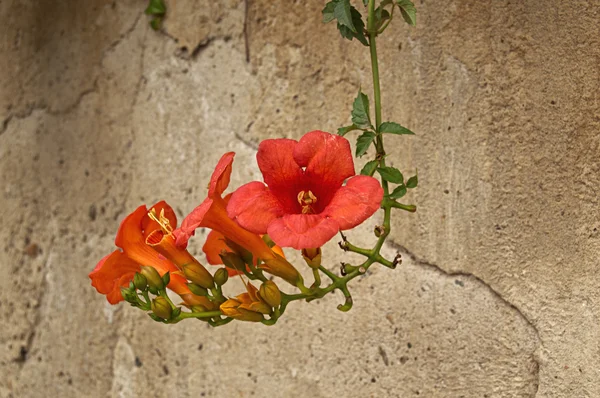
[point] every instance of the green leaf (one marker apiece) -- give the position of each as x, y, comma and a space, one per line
369, 168
391, 174
394, 128
345, 130
409, 12
360, 27
399, 192
413, 181
328, 12
359, 34
360, 111
363, 142
156, 7
342, 12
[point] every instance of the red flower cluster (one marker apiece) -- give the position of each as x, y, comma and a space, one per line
303, 204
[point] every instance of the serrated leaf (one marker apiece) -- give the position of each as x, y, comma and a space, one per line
408, 10
369, 168
391, 174
342, 12
363, 142
328, 12
399, 192
360, 111
394, 128
359, 34
156, 7
345, 130
360, 27
413, 181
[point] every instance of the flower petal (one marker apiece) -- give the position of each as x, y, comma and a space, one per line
191, 222
254, 206
328, 161
219, 181
355, 202
130, 238
302, 231
112, 272
214, 244
281, 172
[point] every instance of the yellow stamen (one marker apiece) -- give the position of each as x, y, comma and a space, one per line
306, 199
163, 221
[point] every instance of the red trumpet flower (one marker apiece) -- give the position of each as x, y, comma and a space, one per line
303, 204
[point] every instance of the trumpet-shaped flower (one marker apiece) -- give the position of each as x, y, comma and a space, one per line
137, 240
304, 204
212, 213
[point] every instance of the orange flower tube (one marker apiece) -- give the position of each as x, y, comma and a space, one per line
212, 213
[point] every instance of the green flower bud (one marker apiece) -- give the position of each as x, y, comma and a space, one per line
233, 261
245, 254
221, 276
270, 293
152, 277
198, 275
129, 295
197, 289
140, 281
312, 257
161, 308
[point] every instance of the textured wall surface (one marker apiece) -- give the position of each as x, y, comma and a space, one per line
498, 294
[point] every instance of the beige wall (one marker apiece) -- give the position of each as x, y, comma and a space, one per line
498, 293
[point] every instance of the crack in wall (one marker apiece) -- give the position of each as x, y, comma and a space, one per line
43, 106
424, 263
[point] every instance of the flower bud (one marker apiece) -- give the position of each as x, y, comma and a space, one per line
140, 281
239, 250
129, 295
197, 289
198, 275
270, 293
161, 308
233, 261
152, 277
221, 276
312, 257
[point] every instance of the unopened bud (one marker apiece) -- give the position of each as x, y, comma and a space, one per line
258, 306
129, 295
233, 261
244, 253
161, 308
221, 276
166, 278
197, 289
198, 275
312, 257
152, 277
140, 281
270, 293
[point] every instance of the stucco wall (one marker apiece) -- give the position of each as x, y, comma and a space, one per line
498, 292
